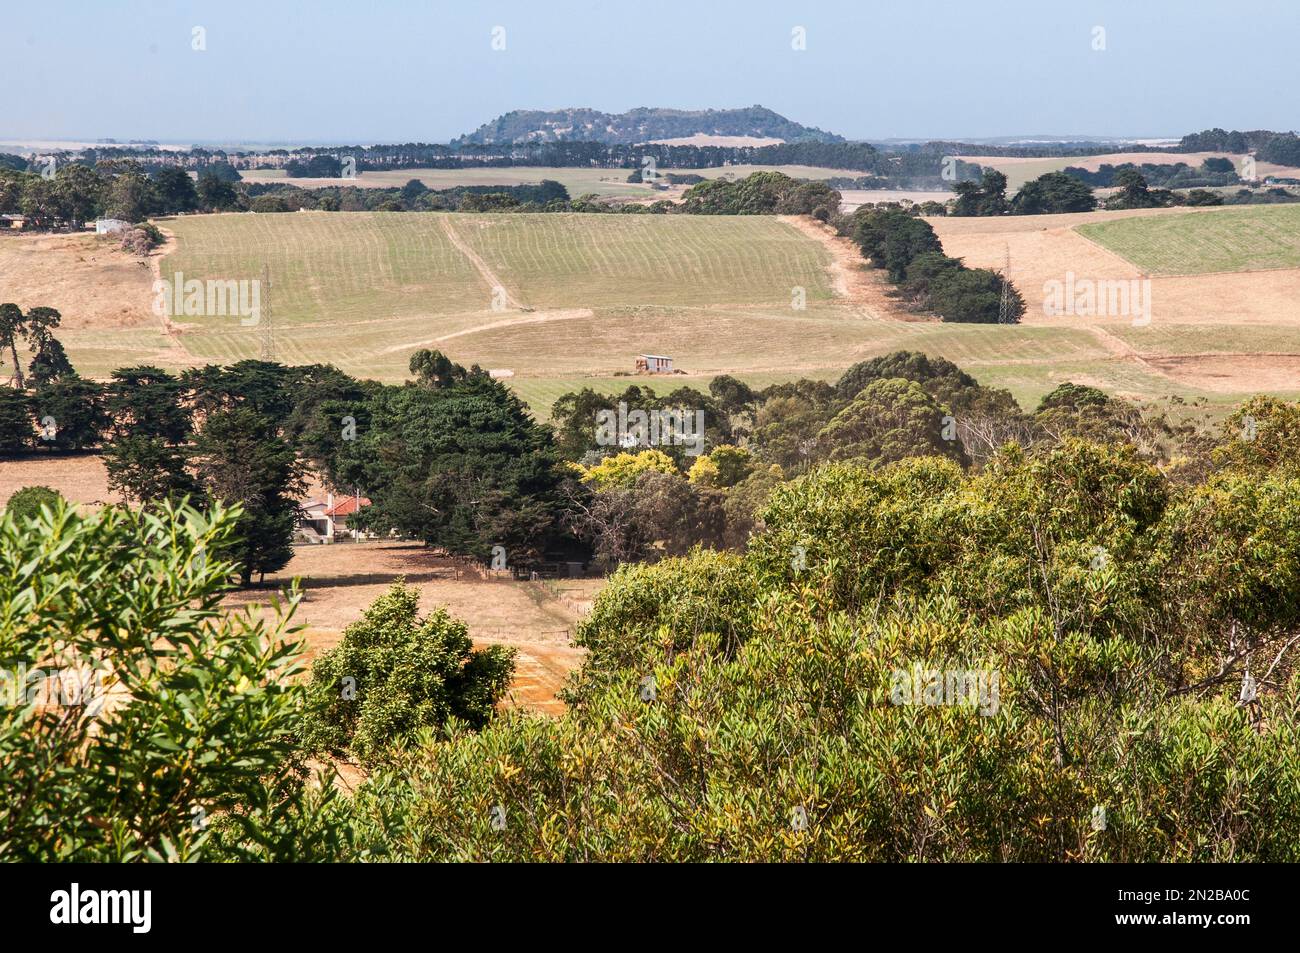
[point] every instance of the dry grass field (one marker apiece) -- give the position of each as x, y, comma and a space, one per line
578, 294
581, 295
1221, 335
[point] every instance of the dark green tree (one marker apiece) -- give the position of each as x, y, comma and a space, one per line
464, 467
239, 457
70, 414
146, 401
148, 470
175, 191
1052, 193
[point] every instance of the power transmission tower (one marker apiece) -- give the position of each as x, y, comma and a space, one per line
268, 333
1004, 306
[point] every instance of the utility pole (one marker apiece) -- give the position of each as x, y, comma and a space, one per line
268, 333
1004, 307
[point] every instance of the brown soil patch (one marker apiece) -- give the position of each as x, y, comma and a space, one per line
80, 479
88, 279
852, 199
1233, 373
1045, 247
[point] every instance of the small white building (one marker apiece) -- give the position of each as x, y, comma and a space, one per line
654, 364
108, 226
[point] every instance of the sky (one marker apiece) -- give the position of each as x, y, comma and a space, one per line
366, 71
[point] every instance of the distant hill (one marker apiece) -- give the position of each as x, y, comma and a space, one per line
640, 125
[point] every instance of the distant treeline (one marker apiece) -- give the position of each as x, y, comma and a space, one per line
1046, 150
414, 196
1268, 146
69, 194
1178, 175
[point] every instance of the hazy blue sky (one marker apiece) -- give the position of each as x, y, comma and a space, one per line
384, 70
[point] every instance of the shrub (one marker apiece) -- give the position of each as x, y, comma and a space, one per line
155, 707
395, 673
142, 238
27, 502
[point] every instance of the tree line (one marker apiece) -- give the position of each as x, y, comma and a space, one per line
75, 194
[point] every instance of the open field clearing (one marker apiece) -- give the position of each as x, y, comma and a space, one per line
90, 280
582, 295
1220, 335
80, 478
1227, 239
607, 183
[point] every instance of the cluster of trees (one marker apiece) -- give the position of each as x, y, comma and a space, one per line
1132, 637
1051, 193
1135, 193
762, 193
235, 436
1071, 190
907, 248
635, 502
1212, 172
913, 170
76, 193
1282, 148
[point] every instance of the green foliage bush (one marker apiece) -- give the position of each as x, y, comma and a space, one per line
27, 502
142, 719
394, 673
744, 708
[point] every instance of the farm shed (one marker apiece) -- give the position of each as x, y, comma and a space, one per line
654, 364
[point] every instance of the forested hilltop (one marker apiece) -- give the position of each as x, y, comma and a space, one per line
640, 125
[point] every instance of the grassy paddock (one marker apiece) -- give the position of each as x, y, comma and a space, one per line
1220, 239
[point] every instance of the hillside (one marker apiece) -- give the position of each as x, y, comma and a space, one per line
641, 125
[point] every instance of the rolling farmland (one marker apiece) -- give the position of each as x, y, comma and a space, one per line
1228, 239
581, 295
